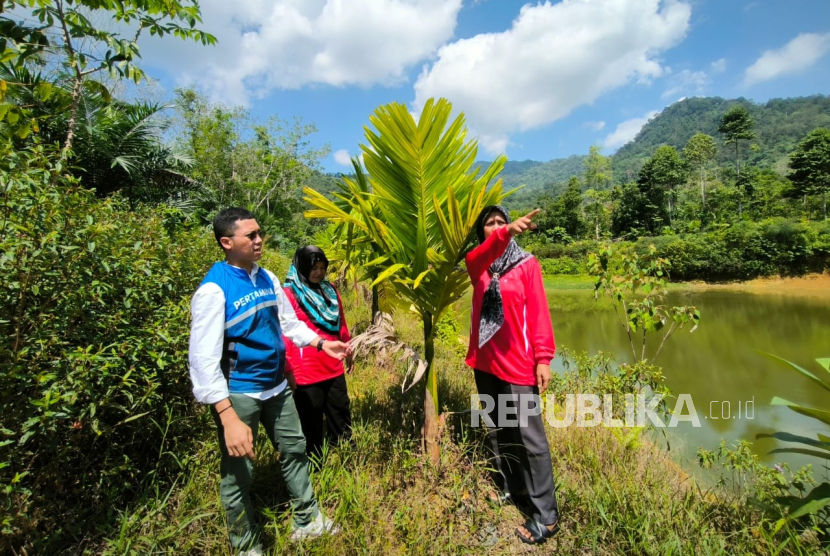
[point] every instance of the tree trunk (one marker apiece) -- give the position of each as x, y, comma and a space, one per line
430, 431
73, 116
824, 203
375, 302
76, 89
702, 189
670, 210
737, 162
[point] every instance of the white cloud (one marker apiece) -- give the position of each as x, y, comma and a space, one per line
554, 58
693, 82
797, 55
687, 82
596, 126
342, 157
287, 44
626, 131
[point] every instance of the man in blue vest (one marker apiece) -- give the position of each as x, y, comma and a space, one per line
237, 358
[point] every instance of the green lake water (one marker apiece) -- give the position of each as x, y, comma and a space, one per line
719, 365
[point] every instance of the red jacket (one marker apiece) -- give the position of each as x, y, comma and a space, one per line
526, 337
308, 365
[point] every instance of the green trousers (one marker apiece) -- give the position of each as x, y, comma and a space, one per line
282, 425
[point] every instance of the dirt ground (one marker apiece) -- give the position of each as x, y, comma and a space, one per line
811, 285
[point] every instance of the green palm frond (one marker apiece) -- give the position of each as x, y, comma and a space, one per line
415, 212
428, 196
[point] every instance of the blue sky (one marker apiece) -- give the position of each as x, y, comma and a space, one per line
537, 80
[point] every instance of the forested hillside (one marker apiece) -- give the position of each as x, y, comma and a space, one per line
724, 190
537, 176
779, 125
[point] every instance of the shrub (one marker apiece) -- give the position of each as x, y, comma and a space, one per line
790, 243
561, 265
93, 344
745, 250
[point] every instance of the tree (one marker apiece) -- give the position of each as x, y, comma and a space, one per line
118, 145
67, 33
597, 169
666, 172
736, 126
627, 217
656, 182
566, 211
810, 165
122, 151
769, 191
699, 152
428, 196
597, 208
261, 166
209, 134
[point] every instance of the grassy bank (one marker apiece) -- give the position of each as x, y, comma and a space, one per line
617, 495
814, 284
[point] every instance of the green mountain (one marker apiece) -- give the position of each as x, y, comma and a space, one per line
537, 177
780, 124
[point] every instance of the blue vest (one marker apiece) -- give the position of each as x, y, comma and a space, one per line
253, 354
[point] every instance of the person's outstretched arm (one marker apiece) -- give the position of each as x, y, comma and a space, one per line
479, 259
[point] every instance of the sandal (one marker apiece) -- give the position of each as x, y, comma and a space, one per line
539, 532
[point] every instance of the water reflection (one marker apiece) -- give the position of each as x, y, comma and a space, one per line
719, 364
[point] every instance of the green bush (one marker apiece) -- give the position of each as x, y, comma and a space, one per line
821, 247
93, 344
745, 250
791, 244
562, 265
577, 250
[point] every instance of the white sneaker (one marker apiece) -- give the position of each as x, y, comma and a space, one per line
319, 526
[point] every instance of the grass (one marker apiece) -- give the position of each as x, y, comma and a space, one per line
586, 282
569, 282
615, 496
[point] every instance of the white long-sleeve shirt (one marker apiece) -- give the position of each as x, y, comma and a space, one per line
207, 335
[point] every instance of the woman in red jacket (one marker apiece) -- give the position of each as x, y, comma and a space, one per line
319, 381
511, 346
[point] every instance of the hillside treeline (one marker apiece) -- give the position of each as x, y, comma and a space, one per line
719, 208
779, 125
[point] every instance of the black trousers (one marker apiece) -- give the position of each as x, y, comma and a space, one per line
521, 453
327, 400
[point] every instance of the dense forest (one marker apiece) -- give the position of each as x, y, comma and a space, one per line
779, 125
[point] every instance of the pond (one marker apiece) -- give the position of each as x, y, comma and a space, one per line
719, 365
